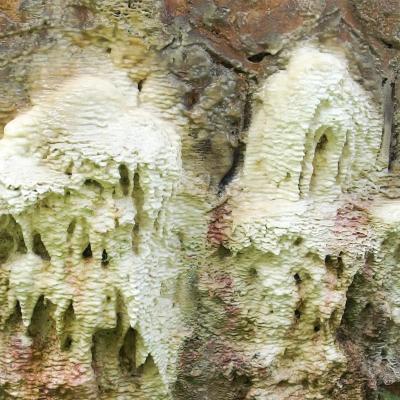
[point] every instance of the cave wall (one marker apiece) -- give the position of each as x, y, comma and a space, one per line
199, 199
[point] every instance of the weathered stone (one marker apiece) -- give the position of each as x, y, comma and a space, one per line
199, 200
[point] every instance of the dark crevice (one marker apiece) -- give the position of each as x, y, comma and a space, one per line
328, 261
237, 160
297, 278
140, 85
335, 264
124, 179
343, 160
6, 245
366, 328
136, 237
247, 112
19, 237
235, 66
104, 343
257, 58
319, 158
71, 229
104, 258
339, 266
87, 253
322, 143
389, 123
15, 318
39, 248
127, 353
138, 199
68, 323
42, 324
388, 44
116, 346
67, 344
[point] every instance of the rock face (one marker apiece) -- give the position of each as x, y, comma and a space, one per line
199, 200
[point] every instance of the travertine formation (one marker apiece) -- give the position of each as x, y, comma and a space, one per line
86, 179
314, 140
198, 201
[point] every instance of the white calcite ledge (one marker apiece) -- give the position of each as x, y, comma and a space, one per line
315, 131
88, 175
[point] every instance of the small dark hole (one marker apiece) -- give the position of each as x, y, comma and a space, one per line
340, 266
67, 343
387, 44
87, 253
328, 261
298, 241
253, 272
297, 278
108, 50
257, 58
223, 252
140, 85
317, 328
104, 259
191, 98
321, 145
124, 179
368, 306
297, 314
216, 30
69, 169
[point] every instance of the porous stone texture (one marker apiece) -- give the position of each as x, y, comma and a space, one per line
199, 200
90, 200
